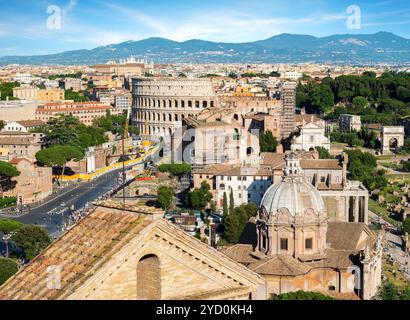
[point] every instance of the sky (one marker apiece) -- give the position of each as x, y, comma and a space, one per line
49, 26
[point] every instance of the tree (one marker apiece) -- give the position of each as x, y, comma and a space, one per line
199, 198
7, 171
274, 74
323, 153
322, 99
225, 205
8, 227
235, 222
360, 102
267, 142
389, 292
6, 90
8, 268
232, 75
31, 239
62, 130
76, 96
176, 169
302, 295
165, 196
231, 202
59, 156
406, 225
231, 228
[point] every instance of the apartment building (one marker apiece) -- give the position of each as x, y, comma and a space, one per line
86, 112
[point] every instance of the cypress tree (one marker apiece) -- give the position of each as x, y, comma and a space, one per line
231, 203
225, 206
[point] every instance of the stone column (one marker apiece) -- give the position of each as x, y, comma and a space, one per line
366, 210
356, 209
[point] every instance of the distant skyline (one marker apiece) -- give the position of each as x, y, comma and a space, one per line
85, 24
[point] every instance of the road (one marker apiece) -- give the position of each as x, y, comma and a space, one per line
51, 215
395, 246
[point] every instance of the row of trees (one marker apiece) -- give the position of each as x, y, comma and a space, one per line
384, 99
66, 138
364, 138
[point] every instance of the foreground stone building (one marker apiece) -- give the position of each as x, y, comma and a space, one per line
294, 247
128, 253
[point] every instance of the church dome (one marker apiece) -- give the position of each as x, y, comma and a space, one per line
293, 192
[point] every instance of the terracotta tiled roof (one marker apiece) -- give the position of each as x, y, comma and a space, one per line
18, 160
31, 123
321, 164
76, 253
345, 235
282, 264
23, 141
275, 160
240, 253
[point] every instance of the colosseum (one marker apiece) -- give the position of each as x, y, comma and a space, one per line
160, 104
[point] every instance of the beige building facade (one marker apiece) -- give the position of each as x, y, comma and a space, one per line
33, 184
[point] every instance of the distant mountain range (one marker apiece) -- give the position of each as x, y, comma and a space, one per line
381, 47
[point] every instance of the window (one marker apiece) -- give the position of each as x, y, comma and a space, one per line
312, 138
283, 244
229, 178
322, 179
222, 186
309, 243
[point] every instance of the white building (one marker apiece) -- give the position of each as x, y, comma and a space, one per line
292, 75
24, 78
311, 135
123, 101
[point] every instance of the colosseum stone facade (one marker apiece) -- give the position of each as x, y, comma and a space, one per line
160, 104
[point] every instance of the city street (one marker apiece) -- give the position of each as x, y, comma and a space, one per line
48, 215
394, 246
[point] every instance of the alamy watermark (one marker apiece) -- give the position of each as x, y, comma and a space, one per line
354, 20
